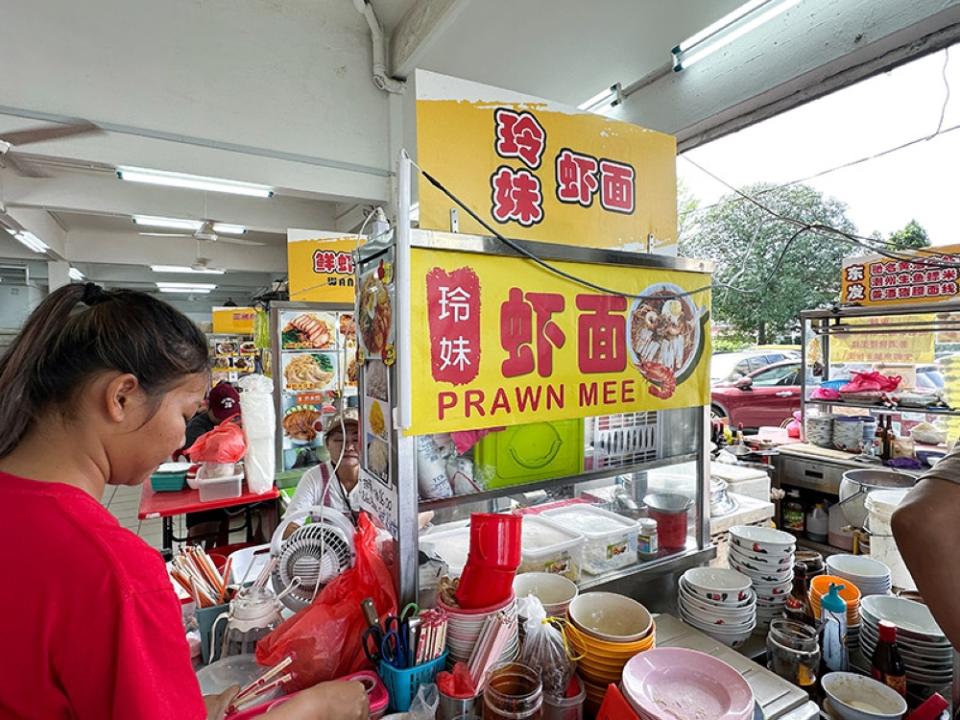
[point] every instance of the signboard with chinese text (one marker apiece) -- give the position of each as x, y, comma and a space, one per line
889, 348
878, 280
233, 320
320, 266
541, 171
501, 341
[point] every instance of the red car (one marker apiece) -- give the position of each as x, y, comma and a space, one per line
767, 396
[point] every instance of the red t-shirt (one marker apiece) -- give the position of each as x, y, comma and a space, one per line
90, 626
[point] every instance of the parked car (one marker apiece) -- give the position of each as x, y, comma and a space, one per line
726, 367
766, 396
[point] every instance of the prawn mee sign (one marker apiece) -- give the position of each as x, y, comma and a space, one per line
320, 266
501, 341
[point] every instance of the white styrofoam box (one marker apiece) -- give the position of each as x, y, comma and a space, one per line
741, 480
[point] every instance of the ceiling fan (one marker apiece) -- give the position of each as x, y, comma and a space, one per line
11, 142
205, 234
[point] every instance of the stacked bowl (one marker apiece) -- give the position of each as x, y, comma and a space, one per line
820, 586
464, 628
871, 576
926, 652
670, 683
556, 592
607, 630
766, 556
719, 602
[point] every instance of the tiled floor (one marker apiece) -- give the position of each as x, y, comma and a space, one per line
123, 502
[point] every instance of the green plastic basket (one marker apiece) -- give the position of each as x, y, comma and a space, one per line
531, 453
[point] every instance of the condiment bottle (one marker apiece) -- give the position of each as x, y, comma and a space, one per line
797, 606
887, 665
833, 616
648, 544
794, 518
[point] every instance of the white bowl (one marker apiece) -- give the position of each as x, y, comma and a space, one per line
610, 617
766, 539
739, 600
858, 566
911, 618
553, 590
855, 697
718, 584
776, 562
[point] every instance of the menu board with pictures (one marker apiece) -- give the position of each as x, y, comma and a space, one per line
317, 357
231, 357
375, 312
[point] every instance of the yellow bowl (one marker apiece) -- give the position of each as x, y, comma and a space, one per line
610, 617
587, 643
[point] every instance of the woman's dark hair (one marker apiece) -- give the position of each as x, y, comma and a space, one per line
80, 330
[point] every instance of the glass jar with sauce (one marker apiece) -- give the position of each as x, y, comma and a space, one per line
513, 692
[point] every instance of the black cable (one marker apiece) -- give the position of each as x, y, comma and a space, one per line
543, 263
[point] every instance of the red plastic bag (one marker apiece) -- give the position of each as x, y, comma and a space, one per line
324, 639
224, 444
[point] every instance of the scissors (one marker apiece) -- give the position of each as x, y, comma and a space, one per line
387, 643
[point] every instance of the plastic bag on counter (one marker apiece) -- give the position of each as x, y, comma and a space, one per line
224, 444
259, 426
545, 648
325, 638
424, 705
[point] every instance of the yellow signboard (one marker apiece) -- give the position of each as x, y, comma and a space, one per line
538, 171
320, 266
501, 341
925, 277
233, 320
889, 348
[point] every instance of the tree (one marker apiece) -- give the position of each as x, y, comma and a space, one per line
786, 268
911, 237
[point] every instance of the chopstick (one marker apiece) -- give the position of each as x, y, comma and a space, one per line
195, 572
254, 687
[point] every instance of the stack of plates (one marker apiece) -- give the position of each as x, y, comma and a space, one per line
606, 630
926, 652
766, 556
464, 627
670, 683
719, 602
871, 576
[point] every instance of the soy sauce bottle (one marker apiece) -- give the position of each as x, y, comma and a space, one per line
887, 665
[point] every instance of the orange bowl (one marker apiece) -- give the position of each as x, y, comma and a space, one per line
584, 642
820, 586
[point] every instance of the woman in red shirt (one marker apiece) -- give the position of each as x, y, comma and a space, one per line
97, 390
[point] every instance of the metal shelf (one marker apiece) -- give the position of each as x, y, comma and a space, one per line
555, 482
884, 410
692, 555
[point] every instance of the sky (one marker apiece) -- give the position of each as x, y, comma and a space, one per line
920, 182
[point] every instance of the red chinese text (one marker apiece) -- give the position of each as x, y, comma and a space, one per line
516, 196
517, 333
453, 314
519, 135
601, 333
576, 178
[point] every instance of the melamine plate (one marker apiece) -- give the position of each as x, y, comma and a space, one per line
766, 538
676, 682
907, 615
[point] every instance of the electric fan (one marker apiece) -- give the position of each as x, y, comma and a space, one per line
316, 553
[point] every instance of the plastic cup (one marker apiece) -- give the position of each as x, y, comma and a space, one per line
495, 540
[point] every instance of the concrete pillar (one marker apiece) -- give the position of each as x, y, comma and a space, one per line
58, 274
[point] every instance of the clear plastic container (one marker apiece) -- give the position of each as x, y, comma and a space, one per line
221, 488
450, 543
610, 539
549, 547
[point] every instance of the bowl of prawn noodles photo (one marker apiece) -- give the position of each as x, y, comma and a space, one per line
666, 336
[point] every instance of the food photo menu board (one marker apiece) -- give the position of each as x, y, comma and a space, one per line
317, 366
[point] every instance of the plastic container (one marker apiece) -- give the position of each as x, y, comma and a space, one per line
847, 433
610, 539
450, 543
833, 616
565, 708
402, 684
548, 547
837, 534
530, 453
880, 505
168, 482
818, 523
220, 488
794, 516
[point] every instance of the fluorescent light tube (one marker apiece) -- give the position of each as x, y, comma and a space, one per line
609, 97
75, 274
744, 19
193, 182
185, 269
32, 242
166, 222
186, 286
228, 229
185, 291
